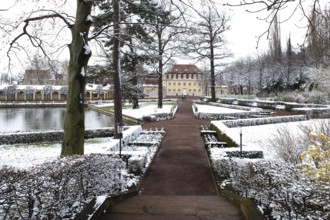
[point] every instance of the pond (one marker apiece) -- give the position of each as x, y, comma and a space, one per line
33, 119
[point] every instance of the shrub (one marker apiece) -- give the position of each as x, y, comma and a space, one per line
59, 189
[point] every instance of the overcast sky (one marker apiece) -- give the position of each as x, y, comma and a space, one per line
245, 29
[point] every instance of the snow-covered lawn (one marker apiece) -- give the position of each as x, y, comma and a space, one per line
215, 109
66, 185
260, 137
279, 188
283, 184
145, 109
26, 156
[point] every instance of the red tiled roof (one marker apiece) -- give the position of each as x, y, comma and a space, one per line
183, 69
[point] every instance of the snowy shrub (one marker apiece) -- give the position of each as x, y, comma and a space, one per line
219, 116
29, 90
10, 91
300, 99
136, 165
316, 159
317, 97
220, 163
47, 91
279, 189
60, 189
287, 146
288, 97
264, 121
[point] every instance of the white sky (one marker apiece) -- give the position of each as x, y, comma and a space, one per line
242, 38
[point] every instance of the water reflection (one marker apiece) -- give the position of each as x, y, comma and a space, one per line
31, 119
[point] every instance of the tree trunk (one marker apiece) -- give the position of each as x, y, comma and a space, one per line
116, 66
160, 84
135, 83
160, 72
212, 73
74, 124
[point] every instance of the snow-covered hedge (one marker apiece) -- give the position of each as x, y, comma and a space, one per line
313, 112
245, 108
228, 115
49, 136
246, 112
269, 104
280, 190
31, 104
263, 121
60, 189
161, 116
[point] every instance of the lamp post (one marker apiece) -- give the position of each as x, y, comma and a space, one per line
240, 125
120, 135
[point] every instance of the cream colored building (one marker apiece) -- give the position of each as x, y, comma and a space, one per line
183, 80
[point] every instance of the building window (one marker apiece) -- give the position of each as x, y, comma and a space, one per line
181, 75
179, 90
174, 90
189, 84
194, 90
169, 84
179, 84
169, 90
194, 84
177, 76
199, 84
184, 84
189, 90
173, 84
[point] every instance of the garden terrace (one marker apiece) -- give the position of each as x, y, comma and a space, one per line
76, 179
264, 121
210, 138
313, 110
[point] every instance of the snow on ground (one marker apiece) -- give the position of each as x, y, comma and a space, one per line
259, 137
27, 156
215, 109
147, 110
144, 110
254, 138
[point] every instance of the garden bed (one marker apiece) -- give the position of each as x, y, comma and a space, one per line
63, 187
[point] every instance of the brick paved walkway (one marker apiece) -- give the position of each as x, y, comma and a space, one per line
179, 183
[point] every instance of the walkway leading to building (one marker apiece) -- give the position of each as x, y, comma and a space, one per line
179, 183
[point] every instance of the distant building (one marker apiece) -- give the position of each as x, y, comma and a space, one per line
41, 77
150, 85
183, 80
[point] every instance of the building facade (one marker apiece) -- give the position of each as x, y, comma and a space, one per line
183, 80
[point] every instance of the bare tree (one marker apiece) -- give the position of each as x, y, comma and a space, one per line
74, 125
270, 10
166, 28
207, 39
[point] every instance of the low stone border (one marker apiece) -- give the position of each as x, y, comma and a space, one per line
248, 207
264, 121
246, 154
49, 136
31, 104
93, 212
